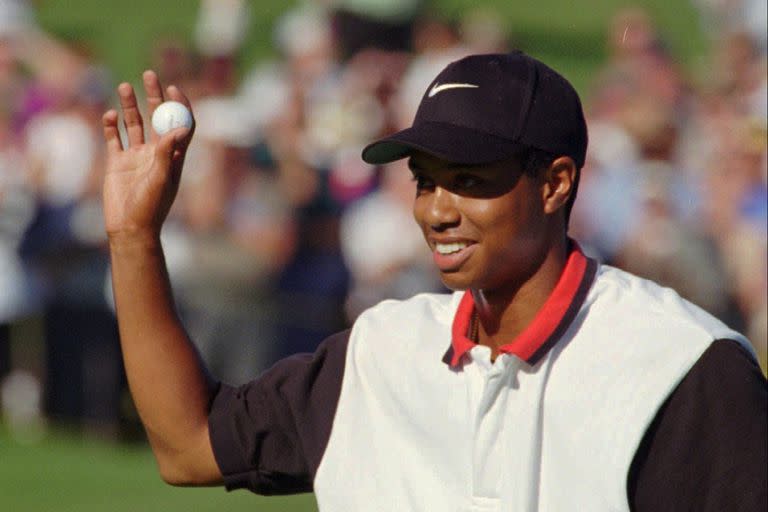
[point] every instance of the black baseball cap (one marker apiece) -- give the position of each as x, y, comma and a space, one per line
486, 108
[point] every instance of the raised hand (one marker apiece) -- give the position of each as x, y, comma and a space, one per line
141, 179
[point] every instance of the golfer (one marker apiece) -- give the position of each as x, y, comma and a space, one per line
545, 381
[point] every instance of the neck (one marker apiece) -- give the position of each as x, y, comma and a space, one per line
504, 313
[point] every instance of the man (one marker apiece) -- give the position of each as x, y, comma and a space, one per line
544, 382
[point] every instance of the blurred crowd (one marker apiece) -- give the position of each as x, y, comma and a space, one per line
281, 235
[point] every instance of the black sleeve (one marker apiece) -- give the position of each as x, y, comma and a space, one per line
707, 448
270, 434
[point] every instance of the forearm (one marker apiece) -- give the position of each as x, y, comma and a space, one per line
169, 383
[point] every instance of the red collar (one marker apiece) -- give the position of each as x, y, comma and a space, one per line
548, 325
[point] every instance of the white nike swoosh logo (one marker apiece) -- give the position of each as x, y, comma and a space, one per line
442, 87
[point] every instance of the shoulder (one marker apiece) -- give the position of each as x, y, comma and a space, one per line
629, 347
642, 307
420, 324
632, 327
424, 308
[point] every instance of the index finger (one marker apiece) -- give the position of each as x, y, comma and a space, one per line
154, 94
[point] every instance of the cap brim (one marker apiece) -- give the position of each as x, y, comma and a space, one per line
450, 142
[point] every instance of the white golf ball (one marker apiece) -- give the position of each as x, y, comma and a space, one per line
170, 115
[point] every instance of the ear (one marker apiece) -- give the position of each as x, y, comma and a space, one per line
559, 179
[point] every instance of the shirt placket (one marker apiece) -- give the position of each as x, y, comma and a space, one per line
489, 406
506, 435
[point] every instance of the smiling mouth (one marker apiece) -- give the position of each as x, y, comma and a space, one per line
450, 248
451, 256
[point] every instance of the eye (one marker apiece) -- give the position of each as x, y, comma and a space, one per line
422, 182
467, 181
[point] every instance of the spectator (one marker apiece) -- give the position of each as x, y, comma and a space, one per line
64, 246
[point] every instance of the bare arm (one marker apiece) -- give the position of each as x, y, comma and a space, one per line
170, 386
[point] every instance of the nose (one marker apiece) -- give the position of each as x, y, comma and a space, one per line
440, 211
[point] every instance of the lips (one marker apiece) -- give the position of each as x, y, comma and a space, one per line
450, 255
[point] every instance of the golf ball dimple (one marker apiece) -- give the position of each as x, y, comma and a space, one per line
170, 115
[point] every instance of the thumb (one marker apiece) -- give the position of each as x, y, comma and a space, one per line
168, 148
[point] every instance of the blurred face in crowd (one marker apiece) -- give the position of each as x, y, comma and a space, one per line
486, 225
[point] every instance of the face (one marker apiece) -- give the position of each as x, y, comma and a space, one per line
485, 225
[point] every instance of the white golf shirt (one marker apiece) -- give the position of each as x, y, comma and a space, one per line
405, 413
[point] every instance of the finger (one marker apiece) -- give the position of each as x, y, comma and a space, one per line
111, 132
181, 137
175, 94
167, 151
154, 95
177, 165
134, 125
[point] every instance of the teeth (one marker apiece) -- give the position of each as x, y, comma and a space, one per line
450, 248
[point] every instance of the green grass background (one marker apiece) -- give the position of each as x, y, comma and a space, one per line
64, 473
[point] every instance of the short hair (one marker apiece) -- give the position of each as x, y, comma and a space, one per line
536, 160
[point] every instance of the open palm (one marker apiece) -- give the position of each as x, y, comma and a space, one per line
141, 179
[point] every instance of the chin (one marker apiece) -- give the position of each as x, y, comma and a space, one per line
456, 282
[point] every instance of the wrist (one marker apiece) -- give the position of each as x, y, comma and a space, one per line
134, 239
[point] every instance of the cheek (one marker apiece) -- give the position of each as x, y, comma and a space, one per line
512, 231
418, 212
508, 219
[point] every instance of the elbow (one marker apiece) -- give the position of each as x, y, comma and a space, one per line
192, 464
181, 473
173, 473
